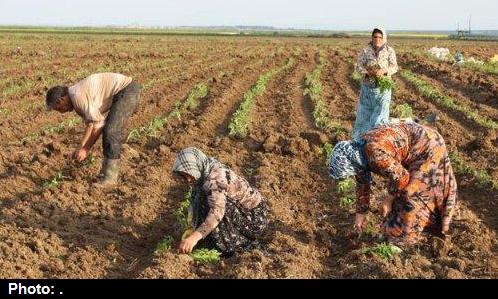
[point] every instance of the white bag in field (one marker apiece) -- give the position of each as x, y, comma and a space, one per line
439, 53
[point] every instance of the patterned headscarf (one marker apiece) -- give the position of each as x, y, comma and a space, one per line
348, 160
196, 164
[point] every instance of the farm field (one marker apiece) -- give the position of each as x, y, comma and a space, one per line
267, 107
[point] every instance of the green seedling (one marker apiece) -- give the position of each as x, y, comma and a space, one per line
385, 83
314, 91
326, 152
403, 111
346, 186
181, 214
192, 101
347, 202
383, 250
427, 90
54, 181
165, 245
90, 159
239, 124
206, 256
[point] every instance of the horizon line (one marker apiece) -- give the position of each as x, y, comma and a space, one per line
138, 26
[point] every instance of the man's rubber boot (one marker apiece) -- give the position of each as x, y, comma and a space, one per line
102, 169
111, 174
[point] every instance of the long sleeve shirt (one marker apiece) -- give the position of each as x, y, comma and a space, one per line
385, 58
390, 150
221, 185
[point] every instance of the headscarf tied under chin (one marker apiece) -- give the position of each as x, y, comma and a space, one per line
348, 159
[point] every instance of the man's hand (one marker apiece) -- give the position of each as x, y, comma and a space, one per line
187, 245
360, 222
80, 154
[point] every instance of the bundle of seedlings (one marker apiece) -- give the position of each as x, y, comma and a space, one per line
384, 83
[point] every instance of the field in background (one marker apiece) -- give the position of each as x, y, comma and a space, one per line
235, 30
303, 98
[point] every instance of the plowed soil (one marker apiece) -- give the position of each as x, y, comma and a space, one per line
74, 231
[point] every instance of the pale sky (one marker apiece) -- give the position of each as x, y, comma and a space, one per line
307, 14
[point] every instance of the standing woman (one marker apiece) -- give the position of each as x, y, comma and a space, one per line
376, 60
226, 210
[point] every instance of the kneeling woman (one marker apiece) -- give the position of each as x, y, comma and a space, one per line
226, 210
415, 160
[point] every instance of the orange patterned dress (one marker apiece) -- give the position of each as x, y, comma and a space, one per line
415, 160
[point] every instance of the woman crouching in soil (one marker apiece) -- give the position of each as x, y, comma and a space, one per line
415, 160
227, 212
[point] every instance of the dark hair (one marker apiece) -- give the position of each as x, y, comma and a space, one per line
377, 31
54, 94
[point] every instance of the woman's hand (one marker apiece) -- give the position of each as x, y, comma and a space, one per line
381, 72
387, 206
360, 222
372, 72
446, 225
80, 154
187, 245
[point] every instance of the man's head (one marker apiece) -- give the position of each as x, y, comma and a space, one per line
58, 99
